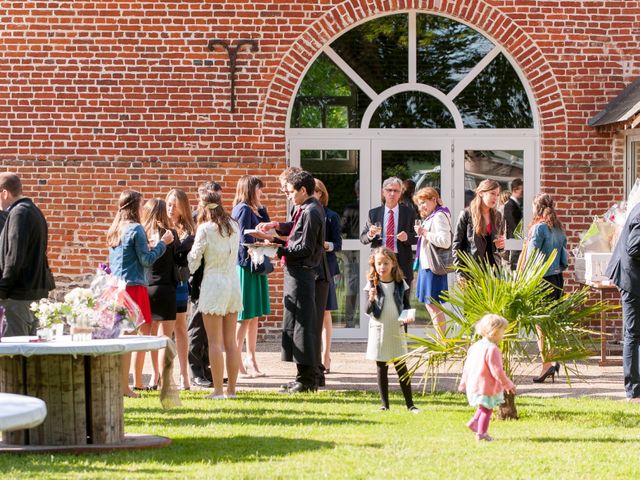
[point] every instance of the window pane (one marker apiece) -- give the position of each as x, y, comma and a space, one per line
412, 110
502, 166
495, 99
327, 98
347, 290
447, 51
378, 51
338, 170
634, 159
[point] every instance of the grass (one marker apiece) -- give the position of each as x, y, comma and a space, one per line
341, 435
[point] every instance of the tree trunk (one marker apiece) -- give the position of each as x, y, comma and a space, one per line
508, 411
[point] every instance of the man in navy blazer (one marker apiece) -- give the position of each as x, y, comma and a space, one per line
403, 221
624, 270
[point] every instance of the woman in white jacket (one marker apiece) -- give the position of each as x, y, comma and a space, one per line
435, 228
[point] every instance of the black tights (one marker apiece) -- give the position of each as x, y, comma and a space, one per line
383, 383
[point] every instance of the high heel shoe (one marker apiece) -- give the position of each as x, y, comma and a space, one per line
551, 372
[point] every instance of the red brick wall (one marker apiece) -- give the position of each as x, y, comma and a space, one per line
98, 97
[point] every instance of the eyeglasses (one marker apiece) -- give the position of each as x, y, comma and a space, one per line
391, 190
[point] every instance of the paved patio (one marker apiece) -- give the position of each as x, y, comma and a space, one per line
350, 371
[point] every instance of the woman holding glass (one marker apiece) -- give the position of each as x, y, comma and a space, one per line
433, 228
480, 228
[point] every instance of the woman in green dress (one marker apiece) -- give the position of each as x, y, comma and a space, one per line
249, 212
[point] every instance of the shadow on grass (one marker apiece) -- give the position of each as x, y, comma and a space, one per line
240, 416
182, 451
577, 440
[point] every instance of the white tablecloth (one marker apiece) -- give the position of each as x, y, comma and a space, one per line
19, 411
10, 346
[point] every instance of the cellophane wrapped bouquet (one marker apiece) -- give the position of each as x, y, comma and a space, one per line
114, 311
104, 309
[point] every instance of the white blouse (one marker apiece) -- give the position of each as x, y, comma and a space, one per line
437, 230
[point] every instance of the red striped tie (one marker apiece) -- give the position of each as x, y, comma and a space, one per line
391, 231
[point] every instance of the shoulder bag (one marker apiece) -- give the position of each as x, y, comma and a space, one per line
441, 259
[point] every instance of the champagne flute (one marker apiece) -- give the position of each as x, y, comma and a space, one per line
378, 228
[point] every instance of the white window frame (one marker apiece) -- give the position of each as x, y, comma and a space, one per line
369, 140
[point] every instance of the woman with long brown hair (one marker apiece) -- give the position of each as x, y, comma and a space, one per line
480, 228
129, 255
248, 211
162, 287
217, 241
179, 213
545, 234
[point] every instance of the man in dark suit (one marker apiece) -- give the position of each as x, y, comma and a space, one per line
395, 229
513, 216
624, 271
302, 255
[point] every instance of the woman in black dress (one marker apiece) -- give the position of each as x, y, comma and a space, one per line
162, 278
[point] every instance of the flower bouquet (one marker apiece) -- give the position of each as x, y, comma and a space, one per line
104, 310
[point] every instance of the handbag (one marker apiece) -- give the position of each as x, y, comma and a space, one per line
264, 268
441, 259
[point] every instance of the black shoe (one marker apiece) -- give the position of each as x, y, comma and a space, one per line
321, 381
225, 380
551, 372
201, 382
300, 388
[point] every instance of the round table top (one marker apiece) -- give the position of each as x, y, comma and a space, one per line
18, 412
26, 346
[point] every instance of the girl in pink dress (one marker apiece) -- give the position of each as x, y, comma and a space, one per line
483, 376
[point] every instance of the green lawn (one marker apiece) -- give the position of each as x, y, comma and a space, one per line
342, 435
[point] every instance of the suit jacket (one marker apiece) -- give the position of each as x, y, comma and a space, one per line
512, 216
624, 266
406, 220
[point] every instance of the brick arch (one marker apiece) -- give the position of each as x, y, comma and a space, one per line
478, 14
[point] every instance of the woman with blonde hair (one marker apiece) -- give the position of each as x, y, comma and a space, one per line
129, 255
217, 241
480, 228
547, 235
179, 213
434, 228
248, 211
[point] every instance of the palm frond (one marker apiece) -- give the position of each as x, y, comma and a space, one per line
520, 296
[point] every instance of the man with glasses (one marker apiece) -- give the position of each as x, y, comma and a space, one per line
391, 226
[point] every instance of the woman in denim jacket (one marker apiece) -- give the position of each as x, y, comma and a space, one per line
129, 255
546, 235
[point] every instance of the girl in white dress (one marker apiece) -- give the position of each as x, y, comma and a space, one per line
388, 295
220, 300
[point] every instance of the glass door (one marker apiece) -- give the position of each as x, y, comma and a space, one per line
344, 168
424, 162
502, 160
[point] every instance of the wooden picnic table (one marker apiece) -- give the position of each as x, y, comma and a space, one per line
603, 293
80, 382
20, 411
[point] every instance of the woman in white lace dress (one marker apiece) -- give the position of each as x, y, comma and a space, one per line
220, 300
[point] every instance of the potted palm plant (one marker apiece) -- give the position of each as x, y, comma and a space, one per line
520, 296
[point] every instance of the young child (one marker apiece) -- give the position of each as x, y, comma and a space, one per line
483, 376
388, 295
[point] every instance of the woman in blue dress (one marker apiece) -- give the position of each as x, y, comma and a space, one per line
435, 228
332, 244
249, 212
